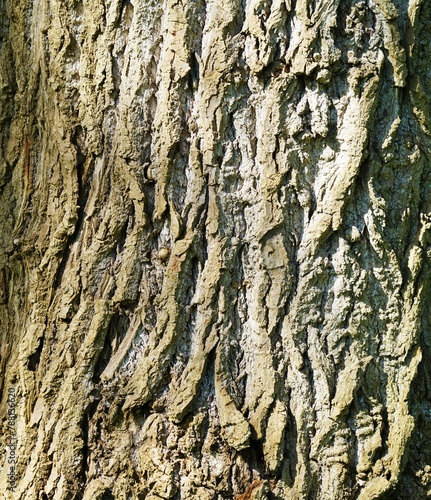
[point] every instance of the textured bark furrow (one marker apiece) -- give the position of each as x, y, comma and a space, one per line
214, 275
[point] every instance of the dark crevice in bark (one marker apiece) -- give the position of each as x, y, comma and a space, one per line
107, 495
253, 455
291, 438
84, 450
273, 70
149, 188
124, 231
34, 359
194, 73
206, 390
125, 15
83, 192
87, 438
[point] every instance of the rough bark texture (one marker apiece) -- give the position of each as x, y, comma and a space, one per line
216, 230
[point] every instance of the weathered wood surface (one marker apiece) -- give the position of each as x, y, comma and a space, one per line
216, 229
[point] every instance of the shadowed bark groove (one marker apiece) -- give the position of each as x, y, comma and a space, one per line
216, 222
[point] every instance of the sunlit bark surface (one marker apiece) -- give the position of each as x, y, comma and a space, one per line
216, 227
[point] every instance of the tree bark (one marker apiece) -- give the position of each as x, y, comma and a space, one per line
215, 269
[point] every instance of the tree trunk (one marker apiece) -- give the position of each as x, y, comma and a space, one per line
216, 226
